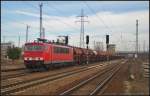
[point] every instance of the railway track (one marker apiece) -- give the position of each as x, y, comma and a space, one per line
9, 70
18, 73
17, 80
15, 87
9, 74
94, 84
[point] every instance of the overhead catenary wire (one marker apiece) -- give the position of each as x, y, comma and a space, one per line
99, 18
7, 36
60, 12
47, 23
37, 10
115, 28
68, 25
25, 23
51, 27
55, 8
35, 7
16, 21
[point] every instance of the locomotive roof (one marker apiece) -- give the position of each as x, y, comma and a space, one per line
63, 45
42, 43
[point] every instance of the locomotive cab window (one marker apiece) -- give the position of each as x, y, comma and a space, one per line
61, 50
34, 48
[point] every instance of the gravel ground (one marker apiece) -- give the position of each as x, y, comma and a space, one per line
13, 72
37, 75
9, 62
12, 67
51, 88
8, 65
41, 74
89, 87
122, 84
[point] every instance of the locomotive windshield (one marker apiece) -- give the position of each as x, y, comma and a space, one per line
34, 48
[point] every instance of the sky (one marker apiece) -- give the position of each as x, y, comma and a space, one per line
116, 18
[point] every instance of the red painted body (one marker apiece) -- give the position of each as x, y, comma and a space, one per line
48, 53
29, 53
61, 57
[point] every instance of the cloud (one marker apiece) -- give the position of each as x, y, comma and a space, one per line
26, 13
118, 22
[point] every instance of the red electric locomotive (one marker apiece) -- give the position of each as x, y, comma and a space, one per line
39, 55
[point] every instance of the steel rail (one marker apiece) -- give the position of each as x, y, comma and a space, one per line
5, 77
106, 80
12, 88
22, 82
102, 72
8, 70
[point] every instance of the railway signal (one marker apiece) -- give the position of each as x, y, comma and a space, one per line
87, 39
66, 40
107, 40
87, 42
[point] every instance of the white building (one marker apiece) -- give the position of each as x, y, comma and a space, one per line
4, 48
111, 48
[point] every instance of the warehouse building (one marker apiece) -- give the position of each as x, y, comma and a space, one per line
4, 48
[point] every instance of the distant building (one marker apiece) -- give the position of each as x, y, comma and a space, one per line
111, 48
4, 48
98, 46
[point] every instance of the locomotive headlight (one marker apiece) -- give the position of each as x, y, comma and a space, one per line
36, 58
30, 58
41, 58
25, 58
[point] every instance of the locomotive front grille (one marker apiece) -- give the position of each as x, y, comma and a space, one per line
34, 64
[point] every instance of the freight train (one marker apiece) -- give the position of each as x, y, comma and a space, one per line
42, 54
